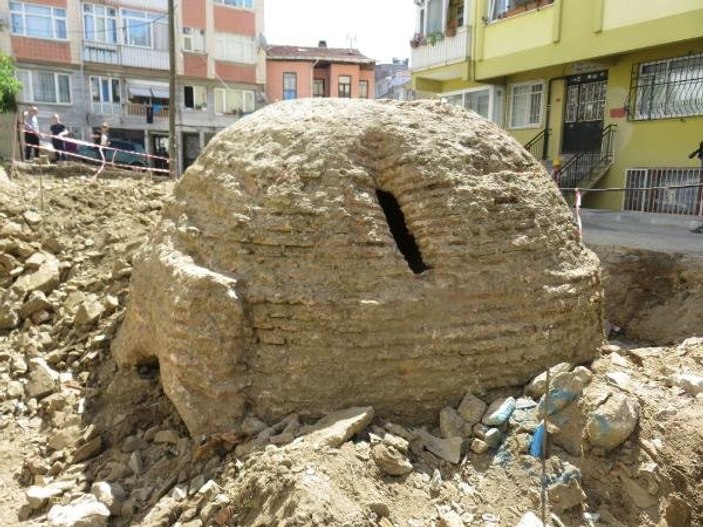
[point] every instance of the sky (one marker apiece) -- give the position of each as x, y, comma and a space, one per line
383, 28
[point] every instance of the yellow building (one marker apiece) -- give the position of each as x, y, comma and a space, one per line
612, 89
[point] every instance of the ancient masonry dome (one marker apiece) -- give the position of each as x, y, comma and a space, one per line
327, 253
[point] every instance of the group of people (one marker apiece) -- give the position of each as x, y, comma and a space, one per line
59, 135
57, 130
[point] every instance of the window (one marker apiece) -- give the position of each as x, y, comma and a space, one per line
667, 88
38, 21
138, 28
487, 102
237, 3
434, 16
235, 48
99, 23
105, 95
193, 39
195, 97
526, 104
290, 86
103, 89
45, 86
363, 89
344, 89
318, 87
233, 101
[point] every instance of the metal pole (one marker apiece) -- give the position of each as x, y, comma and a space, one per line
173, 162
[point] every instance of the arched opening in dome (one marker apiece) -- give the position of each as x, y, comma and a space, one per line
403, 237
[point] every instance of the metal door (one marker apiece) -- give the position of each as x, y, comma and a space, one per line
583, 112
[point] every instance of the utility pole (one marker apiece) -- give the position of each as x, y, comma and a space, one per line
173, 161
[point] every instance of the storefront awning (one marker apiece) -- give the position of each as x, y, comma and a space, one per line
139, 91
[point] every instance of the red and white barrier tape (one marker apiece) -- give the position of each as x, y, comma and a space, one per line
102, 160
80, 142
105, 162
578, 213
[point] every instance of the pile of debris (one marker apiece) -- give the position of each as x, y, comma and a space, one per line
66, 247
86, 444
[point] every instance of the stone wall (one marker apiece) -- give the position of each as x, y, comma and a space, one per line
275, 284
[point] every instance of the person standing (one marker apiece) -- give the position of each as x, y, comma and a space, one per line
58, 131
31, 134
698, 152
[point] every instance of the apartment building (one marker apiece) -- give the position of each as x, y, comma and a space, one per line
295, 72
393, 81
108, 61
612, 90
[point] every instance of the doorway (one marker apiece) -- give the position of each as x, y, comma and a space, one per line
584, 112
191, 148
159, 147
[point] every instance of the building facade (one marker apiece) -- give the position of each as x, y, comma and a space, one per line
97, 61
610, 90
393, 81
294, 72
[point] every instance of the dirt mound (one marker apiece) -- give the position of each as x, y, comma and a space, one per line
323, 254
652, 296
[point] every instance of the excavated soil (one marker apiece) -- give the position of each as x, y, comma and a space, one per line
93, 424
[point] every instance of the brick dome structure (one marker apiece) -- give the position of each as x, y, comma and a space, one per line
327, 253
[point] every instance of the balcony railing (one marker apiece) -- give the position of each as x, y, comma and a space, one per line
129, 109
448, 50
121, 55
668, 190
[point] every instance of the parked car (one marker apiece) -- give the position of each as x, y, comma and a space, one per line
129, 154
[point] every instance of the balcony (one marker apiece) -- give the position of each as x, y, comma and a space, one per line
435, 51
129, 109
121, 55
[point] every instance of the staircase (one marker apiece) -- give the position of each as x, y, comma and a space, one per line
585, 169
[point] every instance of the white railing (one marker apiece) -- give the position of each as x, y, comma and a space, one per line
449, 50
660, 197
122, 55
107, 108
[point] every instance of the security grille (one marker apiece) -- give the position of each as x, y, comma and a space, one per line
664, 190
666, 89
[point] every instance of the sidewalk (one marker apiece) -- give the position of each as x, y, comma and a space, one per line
656, 232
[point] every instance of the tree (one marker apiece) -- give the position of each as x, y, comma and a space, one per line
9, 85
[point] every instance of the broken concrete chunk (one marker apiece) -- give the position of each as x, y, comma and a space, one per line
45, 278
337, 428
530, 519
688, 382
493, 437
38, 496
612, 422
538, 385
479, 446
450, 424
88, 450
565, 494
86, 511
10, 305
499, 411
389, 460
564, 389
42, 379
167, 436
450, 519
88, 312
448, 449
31, 217
112, 495
471, 408
35, 302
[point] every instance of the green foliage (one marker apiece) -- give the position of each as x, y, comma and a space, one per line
9, 85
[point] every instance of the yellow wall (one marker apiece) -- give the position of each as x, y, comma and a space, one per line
618, 13
579, 30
